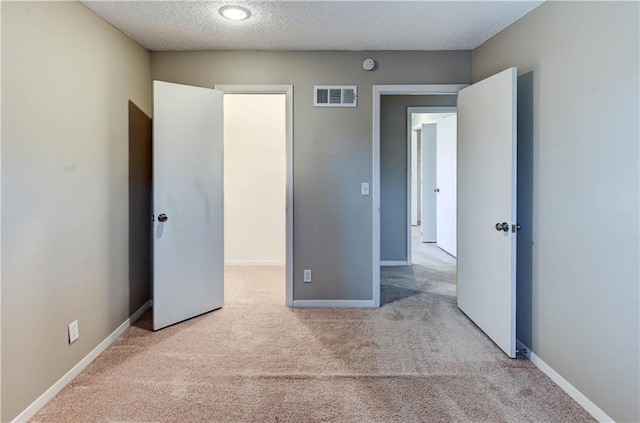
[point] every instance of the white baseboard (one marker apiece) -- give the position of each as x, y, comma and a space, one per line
394, 263
571, 390
35, 406
254, 262
333, 303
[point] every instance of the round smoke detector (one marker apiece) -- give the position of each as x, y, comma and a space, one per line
368, 64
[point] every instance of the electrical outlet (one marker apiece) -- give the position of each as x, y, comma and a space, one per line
74, 333
307, 275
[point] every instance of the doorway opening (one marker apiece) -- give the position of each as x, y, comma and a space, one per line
392, 235
417, 133
431, 180
257, 193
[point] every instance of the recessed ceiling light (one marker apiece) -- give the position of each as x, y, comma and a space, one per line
235, 13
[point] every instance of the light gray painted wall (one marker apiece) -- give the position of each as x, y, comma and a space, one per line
332, 146
393, 169
67, 79
584, 297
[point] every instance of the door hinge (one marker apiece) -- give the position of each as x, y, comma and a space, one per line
515, 227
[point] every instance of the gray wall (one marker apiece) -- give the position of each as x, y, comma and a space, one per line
332, 147
140, 209
584, 311
67, 79
524, 248
393, 169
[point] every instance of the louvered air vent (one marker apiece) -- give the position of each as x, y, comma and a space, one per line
335, 95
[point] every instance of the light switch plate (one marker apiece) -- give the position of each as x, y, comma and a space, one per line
364, 188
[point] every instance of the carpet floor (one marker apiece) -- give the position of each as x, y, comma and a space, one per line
415, 359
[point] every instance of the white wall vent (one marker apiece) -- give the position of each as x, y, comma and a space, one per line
335, 95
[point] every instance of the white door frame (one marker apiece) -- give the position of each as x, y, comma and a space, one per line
378, 91
287, 90
410, 112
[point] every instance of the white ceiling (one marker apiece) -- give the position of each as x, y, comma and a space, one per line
313, 25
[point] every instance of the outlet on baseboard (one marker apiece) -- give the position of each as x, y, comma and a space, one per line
74, 332
307, 275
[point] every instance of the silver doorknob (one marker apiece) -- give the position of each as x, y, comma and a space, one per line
163, 218
504, 226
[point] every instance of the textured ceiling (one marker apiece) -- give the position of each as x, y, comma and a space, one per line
313, 25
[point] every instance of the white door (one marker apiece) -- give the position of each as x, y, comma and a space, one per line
188, 271
446, 180
487, 206
428, 159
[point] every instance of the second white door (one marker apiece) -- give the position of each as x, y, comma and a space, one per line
188, 268
487, 225
446, 181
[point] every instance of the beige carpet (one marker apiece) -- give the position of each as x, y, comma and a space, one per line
416, 359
